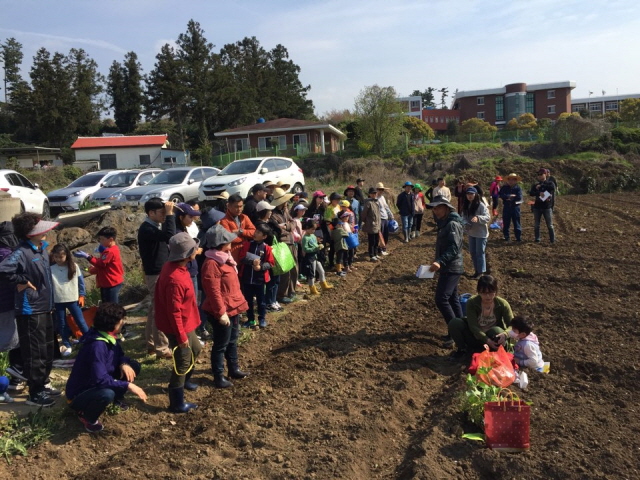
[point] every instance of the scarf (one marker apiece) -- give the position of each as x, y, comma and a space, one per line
221, 257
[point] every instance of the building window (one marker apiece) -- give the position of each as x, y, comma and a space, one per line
611, 106
241, 144
415, 105
578, 107
300, 140
551, 94
170, 160
499, 109
480, 115
551, 109
595, 107
269, 143
480, 100
529, 106
108, 161
145, 159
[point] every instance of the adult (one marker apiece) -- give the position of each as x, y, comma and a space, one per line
429, 192
553, 180
258, 193
405, 204
220, 201
441, 190
317, 206
153, 241
475, 217
511, 195
177, 316
8, 327
543, 191
27, 270
459, 189
418, 210
282, 217
354, 203
385, 216
371, 223
359, 191
488, 317
237, 222
448, 260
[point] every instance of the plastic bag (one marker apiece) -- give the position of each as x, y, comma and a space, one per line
501, 373
284, 258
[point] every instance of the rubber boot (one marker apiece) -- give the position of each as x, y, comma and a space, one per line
326, 285
417, 233
339, 270
406, 236
413, 235
236, 373
177, 403
313, 290
219, 381
188, 384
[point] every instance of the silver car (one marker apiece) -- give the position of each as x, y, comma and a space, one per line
71, 197
175, 184
113, 188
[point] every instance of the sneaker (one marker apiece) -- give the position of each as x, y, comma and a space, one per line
374, 259
342, 274
121, 405
263, 324
94, 427
16, 385
74, 341
40, 400
65, 351
249, 324
286, 300
16, 372
52, 392
384, 253
5, 398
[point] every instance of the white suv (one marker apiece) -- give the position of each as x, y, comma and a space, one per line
240, 176
32, 199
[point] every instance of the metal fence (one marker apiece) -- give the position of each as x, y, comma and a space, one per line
224, 158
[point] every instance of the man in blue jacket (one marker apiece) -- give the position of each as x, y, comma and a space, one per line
511, 195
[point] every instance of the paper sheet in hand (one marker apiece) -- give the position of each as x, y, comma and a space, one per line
252, 257
423, 272
545, 196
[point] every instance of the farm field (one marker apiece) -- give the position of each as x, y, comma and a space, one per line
355, 384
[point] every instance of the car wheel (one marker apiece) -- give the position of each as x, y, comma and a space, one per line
297, 188
46, 211
175, 198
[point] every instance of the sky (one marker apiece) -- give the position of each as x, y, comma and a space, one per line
344, 46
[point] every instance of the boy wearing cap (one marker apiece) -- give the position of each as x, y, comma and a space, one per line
371, 223
544, 192
259, 193
405, 205
28, 270
177, 317
511, 195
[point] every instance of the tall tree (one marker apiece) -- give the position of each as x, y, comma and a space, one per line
444, 92
124, 85
87, 87
379, 117
11, 55
288, 95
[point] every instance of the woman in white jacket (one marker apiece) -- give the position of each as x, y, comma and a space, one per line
476, 217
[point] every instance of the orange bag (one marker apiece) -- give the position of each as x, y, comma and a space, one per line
502, 373
88, 314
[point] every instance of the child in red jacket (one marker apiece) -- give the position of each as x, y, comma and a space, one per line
108, 266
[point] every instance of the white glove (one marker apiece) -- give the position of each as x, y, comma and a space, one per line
224, 320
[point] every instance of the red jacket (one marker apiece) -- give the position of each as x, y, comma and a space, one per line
221, 286
230, 224
176, 310
108, 267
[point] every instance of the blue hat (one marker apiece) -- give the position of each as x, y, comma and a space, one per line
471, 190
408, 184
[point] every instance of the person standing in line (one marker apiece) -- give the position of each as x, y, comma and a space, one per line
153, 241
259, 193
385, 216
448, 262
459, 189
405, 204
288, 280
237, 222
371, 223
354, 203
418, 210
511, 195
441, 190
475, 217
8, 328
543, 191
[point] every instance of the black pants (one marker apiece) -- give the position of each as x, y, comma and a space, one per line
351, 253
225, 345
341, 256
249, 291
447, 299
417, 222
183, 358
373, 239
36, 346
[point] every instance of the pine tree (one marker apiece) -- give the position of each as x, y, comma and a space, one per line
11, 55
124, 86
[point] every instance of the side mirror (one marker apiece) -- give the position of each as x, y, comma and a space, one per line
190, 181
35, 185
264, 170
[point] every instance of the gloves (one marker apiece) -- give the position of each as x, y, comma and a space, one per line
266, 266
81, 302
224, 320
81, 254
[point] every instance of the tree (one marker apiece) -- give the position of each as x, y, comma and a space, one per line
418, 129
630, 110
287, 94
445, 93
453, 128
87, 87
571, 129
476, 125
526, 121
125, 88
427, 97
379, 117
11, 55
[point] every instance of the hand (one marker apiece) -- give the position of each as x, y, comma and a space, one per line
136, 390
23, 286
127, 373
492, 345
256, 262
81, 254
199, 251
168, 207
240, 231
81, 302
184, 344
224, 320
474, 220
435, 266
501, 338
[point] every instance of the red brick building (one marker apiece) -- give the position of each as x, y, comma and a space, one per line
499, 105
437, 118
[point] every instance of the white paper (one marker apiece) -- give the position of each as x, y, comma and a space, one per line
423, 272
545, 196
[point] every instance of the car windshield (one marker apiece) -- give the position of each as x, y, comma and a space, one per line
86, 181
169, 177
121, 180
238, 168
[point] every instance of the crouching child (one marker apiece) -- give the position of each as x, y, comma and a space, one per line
102, 374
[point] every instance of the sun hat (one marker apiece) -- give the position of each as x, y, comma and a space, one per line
380, 186
417, 186
498, 178
222, 196
263, 205
514, 175
471, 190
344, 203
182, 246
42, 227
350, 187
187, 209
335, 196
280, 197
300, 206
218, 235
372, 190
440, 200
284, 186
318, 193
408, 184
211, 217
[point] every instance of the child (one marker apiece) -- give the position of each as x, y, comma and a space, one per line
257, 260
102, 373
419, 206
311, 248
527, 349
348, 219
338, 235
68, 294
108, 267
494, 190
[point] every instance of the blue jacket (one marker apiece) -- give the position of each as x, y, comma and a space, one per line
97, 365
405, 204
29, 264
505, 194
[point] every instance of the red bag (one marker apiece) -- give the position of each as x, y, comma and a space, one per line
88, 315
506, 424
502, 373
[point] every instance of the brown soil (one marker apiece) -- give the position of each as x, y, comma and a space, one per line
355, 384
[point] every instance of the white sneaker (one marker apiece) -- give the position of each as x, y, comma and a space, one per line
385, 253
5, 398
65, 351
374, 259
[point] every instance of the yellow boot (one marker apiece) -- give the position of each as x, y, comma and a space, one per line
313, 290
326, 285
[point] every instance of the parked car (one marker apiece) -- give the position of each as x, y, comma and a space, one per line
176, 184
32, 199
240, 176
71, 197
115, 186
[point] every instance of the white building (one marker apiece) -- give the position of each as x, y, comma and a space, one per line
600, 105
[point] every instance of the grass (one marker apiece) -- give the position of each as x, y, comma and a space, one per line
18, 434
4, 362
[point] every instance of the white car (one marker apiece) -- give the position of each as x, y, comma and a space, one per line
113, 188
32, 199
240, 176
71, 197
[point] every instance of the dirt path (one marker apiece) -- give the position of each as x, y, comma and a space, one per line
355, 384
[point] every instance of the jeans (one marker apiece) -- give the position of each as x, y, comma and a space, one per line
447, 299
407, 222
110, 294
183, 358
36, 346
477, 248
93, 402
272, 290
225, 344
373, 239
547, 213
510, 214
249, 291
61, 321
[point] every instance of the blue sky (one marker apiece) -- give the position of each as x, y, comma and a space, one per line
344, 46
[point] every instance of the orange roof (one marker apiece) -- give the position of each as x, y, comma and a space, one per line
131, 141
